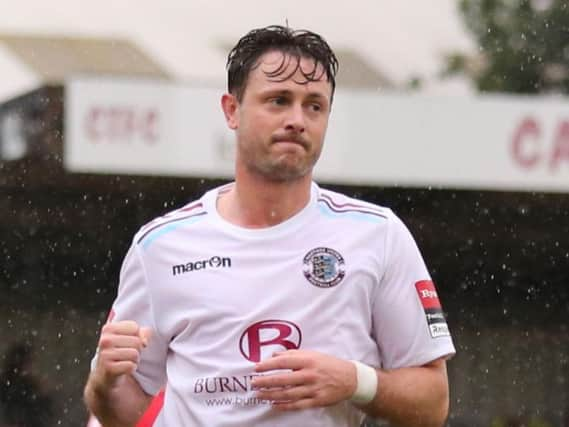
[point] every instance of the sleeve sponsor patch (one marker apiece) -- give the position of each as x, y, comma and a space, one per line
433, 310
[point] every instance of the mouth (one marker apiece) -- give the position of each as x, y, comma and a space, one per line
290, 140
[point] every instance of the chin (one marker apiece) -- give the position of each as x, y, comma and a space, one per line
282, 168
286, 174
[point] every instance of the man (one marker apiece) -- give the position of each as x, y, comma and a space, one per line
270, 301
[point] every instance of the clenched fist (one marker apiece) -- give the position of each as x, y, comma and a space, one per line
119, 350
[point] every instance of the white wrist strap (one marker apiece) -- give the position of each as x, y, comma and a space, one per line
366, 387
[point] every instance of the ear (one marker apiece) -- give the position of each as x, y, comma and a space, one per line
230, 107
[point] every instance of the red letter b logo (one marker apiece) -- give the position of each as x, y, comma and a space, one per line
267, 337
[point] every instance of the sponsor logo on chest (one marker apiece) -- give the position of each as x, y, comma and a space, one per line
213, 262
258, 342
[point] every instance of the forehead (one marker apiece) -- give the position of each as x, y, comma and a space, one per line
275, 67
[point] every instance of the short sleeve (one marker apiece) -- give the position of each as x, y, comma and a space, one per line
133, 302
408, 321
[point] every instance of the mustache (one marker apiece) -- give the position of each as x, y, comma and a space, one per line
290, 137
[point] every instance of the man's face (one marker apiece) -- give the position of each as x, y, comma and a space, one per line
280, 125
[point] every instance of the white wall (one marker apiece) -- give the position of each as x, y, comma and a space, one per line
502, 143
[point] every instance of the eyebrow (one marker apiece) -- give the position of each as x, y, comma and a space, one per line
313, 95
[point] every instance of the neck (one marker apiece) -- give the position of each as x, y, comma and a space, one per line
255, 202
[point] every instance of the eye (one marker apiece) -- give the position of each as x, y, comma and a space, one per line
315, 107
278, 100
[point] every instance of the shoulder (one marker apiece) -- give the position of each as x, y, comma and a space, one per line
169, 221
343, 206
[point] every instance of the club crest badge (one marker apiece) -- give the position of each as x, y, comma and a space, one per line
324, 267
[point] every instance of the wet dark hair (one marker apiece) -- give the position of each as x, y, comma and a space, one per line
295, 44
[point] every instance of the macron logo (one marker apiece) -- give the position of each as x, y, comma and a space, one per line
213, 262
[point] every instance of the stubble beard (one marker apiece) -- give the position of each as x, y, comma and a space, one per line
281, 169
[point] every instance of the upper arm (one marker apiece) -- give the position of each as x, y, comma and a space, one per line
134, 302
408, 324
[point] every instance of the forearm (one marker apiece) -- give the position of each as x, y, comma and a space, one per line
119, 406
417, 397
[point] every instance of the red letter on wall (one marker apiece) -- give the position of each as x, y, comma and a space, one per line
525, 145
561, 148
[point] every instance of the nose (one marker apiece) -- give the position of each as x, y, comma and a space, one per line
295, 120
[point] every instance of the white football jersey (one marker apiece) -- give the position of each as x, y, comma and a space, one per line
342, 277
